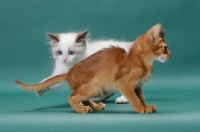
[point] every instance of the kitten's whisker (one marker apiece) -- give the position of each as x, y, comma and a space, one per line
49, 64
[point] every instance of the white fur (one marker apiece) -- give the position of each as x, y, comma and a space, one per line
94, 46
121, 100
68, 42
162, 58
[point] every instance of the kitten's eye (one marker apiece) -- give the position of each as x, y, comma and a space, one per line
60, 52
71, 52
165, 48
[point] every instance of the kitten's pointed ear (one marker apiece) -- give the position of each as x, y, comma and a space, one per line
154, 32
81, 37
54, 37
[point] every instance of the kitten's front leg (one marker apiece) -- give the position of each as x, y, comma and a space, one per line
60, 68
140, 95
135, 102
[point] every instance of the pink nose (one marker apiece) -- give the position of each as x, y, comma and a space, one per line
64, 60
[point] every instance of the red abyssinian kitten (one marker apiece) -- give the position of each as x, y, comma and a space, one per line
113, 69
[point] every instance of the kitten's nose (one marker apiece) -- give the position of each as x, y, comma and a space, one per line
64, 58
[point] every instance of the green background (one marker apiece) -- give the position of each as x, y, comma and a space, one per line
25, 54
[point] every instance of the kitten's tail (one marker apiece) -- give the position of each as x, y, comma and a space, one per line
47, 83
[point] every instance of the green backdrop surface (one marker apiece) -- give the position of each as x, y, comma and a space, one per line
25, 54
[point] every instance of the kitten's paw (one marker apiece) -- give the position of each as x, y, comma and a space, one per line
153, 107
41, 92
84, 110
99, 106
146, 110
121, 100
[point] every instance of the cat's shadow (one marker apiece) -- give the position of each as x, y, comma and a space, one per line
67, 105
108, 112
61, 106
67, 108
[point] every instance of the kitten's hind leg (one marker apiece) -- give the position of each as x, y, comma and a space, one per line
75, 100
83, 94
94, 106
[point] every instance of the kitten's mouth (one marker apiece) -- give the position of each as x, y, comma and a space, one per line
165, 59
65, 62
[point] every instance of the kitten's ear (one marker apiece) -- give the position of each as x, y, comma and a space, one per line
154, 32
81, 37
54, 37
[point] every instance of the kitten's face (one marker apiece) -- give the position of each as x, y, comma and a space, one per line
161, 51
159, 46
68, 48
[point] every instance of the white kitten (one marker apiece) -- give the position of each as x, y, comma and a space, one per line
70, 48
67, 50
